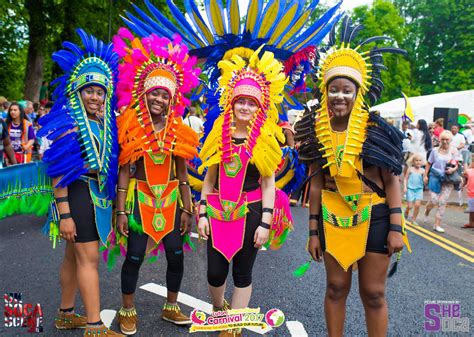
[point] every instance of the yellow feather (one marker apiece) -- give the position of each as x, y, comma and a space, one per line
252, 14
284, 23
299, 46
207, 33
297, 26
217, 17
269, 18
234, 16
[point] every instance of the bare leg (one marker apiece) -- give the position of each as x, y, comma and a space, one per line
408, 209
416, 210
172, 297
372, 276
471, 219
87, 259
338, 285
68, 278
128, 300
217, 295
241, 297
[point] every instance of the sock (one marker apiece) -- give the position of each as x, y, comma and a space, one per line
67, 311
95, 323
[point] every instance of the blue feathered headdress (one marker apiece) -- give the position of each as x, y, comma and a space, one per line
74, 152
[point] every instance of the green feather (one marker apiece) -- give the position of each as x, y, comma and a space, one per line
152, 259
187, 239
134, 225
301, 270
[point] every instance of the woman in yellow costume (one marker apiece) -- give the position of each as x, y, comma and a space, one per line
239, 208
355, 201
155, 203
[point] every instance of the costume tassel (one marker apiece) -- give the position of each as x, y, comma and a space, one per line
188, 244
301, 270
394, 267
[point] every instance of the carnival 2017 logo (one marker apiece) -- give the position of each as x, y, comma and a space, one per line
275, 318
444, 316
22, 315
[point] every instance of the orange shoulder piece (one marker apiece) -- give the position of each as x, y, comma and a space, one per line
187, 141
130, 136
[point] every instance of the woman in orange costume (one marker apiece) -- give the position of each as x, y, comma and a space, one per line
156, 202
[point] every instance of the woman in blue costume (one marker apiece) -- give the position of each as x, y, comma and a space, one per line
82, 163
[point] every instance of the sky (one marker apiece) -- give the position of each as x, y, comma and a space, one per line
346, 5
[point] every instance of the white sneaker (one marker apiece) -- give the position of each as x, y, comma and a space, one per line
438, 229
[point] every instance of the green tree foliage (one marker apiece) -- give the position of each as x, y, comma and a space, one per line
382, 18
441, 42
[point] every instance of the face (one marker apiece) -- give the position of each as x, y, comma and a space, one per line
454, 129
404, 126
417, 162
14, 112
41, 111
158, 101
341, 97
245, 108
93, 98
445, 141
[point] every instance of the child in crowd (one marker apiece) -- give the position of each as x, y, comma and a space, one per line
413, 185
469, 182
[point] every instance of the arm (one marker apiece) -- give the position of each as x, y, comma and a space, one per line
7, 145
207, 187
67, 227
315, 192
394, 200
185, 192
31, 139
122, 188
405, 180
268, 201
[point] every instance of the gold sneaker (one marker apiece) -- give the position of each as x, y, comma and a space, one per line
172, 313
231, 333
100, 331
225, 307
127, 319
66, 321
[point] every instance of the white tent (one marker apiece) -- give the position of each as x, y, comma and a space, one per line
423, 106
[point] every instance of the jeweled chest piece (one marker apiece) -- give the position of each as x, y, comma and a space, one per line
233, 167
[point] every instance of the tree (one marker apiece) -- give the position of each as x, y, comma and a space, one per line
382, 18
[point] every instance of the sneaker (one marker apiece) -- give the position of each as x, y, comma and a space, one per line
231, 333
439, 229
100, 331
172, 313
225, 307
66, 321
424, 219
414, 223
127, 319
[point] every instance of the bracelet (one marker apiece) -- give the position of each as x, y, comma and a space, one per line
121, 213
202, 215
314, 217
264, 225
395, 228
124, 190
186, 211
267, 210
65, 216
181, 183
61, 199
203, 202
395, 210
313, 232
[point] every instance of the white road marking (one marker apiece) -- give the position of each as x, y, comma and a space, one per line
192, 302
296, 329
107, 316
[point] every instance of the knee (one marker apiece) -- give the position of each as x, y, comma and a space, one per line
373, 298
337, 291
215, 277
242, 280
175, 260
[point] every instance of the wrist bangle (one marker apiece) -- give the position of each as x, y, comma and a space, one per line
395, 210
124, 190
313, 232
395, 228
202, 215
61, 199
181, 183
314, 217
186, 211
264, 225
203, 202
267, 210
65, 216
121, 213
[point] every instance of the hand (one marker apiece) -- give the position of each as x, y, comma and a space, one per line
203, 227
314, 248
405, 189
185, 223
67, 229
122, 224
450, 170
394, 242
261, 236
425, 179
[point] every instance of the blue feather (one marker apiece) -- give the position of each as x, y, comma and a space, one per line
136, 28
197, 42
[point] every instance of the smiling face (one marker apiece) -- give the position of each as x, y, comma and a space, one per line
341, 97
244, 109
158, 101
93, 98
14, 112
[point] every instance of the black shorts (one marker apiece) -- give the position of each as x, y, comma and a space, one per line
378, 230
82, 211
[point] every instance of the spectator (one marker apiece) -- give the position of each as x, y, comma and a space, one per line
422, 144
193, 121
5, 145
467, 132
434, 139
21, 133
45, 143
413, 185
469, 182
44, 93
438, 127
3, 107
30, 111
442, 177
458, 138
